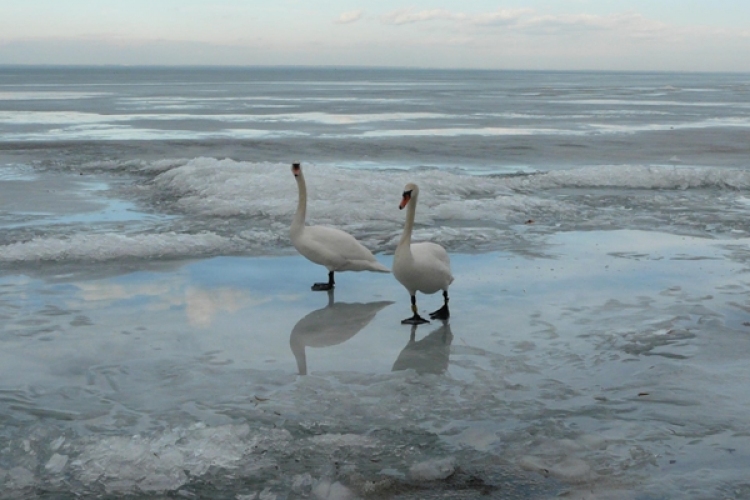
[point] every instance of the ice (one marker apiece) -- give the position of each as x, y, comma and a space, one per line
206, 186
20, 478
341, 440
167, 461
326, 490
56, 463
482, 438
569, 469
45, 95
636, 177
545, 382
455, 132
17, 172
433, 470
103, 247
224, 206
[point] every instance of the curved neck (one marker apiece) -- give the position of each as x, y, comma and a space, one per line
411, 211
299, 217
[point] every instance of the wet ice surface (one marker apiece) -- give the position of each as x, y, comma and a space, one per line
614, 362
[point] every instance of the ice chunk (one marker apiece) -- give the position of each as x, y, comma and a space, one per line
481, 438
569, 469
433, 470
19, 478
163, 462
325, 490
104, 247
56, 463
302, 484
572, 470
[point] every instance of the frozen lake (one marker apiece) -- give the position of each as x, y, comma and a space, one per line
613, 362
159, 338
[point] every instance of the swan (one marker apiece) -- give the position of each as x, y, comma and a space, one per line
327, 246
421, 267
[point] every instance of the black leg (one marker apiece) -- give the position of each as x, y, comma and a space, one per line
416, 319
317, 287
443, 312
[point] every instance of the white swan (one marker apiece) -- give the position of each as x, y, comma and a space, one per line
329, 247
421, 267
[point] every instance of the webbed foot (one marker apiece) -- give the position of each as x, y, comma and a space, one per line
414, 320
443, 313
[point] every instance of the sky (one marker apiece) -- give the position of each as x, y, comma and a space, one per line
646, 35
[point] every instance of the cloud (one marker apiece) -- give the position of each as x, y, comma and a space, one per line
500, 17
411, 16
350, 17
627, 23
631, 25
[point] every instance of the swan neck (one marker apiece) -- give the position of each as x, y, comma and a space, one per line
411, 211
298, 222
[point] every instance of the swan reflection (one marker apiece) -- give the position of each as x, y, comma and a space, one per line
333, 324
428, 355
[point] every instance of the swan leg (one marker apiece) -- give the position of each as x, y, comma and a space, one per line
317, 287
442, 313
416, 319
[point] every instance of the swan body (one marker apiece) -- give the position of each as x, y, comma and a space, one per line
327, 246
421, 267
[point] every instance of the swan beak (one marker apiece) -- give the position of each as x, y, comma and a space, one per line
404, 201
296, 169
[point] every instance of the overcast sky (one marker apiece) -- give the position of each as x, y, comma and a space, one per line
692, 35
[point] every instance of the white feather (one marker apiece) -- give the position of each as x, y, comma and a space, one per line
327, 246
420, 267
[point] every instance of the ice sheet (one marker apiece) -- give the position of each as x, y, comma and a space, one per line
613, 364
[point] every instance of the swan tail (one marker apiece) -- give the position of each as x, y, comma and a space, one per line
366, 265
378, 267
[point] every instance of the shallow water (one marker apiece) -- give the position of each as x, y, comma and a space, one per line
614, 363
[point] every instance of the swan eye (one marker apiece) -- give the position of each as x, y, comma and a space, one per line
407, 194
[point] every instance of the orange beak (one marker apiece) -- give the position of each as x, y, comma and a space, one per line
404, 201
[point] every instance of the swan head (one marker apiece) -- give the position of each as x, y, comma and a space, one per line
411, 191
296, 168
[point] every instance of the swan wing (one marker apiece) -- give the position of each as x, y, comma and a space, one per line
431, 251
336, 249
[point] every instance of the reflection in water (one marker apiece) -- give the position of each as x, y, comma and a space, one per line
429, 355
335, 323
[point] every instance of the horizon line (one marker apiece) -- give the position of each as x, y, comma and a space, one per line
359, 67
